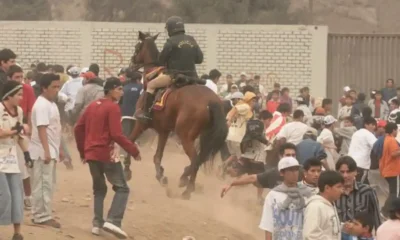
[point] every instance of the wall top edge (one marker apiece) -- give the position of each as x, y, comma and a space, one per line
83, 24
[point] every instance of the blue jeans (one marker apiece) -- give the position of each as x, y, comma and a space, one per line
114, 173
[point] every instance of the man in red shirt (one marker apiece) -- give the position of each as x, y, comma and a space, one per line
97, 132
15, 73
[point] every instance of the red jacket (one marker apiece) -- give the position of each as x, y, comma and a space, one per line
98, 129
28, 99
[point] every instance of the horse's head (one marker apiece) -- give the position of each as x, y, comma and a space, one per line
146, 51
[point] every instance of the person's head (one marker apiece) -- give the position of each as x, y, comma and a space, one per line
204, 77
50, 85
391, 129
394, 211
389, 83
370, 124
250, 98
289, 170
275, 95
7, 59
348, 121
346, 90
236, 97
347, 167
312, 169
41, 67
305, 92
327, 104
329, 121
361, 225
348, 100
29, 77
284, 109
113, 89
361, 97
12, 93
378, 96
353, 94
257, 79
243, 76
330, 184
229, 78
215, 75
277, 86
394, 104
94, 68
58, 69
311, 133
15, 73
234, 88
298, 115
380, 128
285, 92
287, 150
74, 72
133, 76
265, 117
366, 112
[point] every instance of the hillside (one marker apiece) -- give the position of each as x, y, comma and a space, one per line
340, 15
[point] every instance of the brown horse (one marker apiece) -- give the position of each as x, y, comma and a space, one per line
190, 111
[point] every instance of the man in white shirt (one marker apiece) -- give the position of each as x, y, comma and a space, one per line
293, 132
71, 87
212, 82
360, 148
328, 142
44, 148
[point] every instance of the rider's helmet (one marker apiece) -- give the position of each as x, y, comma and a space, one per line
174, 25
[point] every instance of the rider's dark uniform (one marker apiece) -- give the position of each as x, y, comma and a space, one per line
180, 55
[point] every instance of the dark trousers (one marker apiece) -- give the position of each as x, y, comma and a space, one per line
115, 176
362, 175
394, 192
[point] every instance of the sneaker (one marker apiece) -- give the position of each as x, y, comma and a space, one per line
96, 231
28, 203
17, 236
114, 230
51, 223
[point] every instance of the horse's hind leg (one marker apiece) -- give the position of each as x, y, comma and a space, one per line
162, 141
190, 150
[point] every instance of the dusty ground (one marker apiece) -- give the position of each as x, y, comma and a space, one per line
151, 215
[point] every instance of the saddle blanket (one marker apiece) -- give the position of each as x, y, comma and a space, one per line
161, 99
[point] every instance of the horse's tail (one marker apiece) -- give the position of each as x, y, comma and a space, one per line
214, 136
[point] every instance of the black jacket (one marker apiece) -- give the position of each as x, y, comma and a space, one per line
180, 54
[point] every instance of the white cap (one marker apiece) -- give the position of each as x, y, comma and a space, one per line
85, 69
243, 73
237, 95
287, 162
346, 89
328, 120
242, 84
74, 70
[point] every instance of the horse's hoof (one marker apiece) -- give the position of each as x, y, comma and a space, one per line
127, 174
183, 182
186, 195
164, 181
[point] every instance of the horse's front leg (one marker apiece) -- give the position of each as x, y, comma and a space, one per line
162, 141
138, 129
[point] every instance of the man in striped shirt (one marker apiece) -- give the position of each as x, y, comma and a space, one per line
357, 197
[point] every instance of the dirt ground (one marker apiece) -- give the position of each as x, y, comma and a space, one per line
150, 214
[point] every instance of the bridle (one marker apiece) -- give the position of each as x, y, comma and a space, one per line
138, 48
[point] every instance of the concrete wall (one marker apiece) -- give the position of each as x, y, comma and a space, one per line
295, 56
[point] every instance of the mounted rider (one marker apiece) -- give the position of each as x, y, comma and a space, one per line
180, 55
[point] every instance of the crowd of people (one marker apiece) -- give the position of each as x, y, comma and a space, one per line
324, 172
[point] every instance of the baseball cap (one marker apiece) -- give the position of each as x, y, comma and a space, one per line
287, 162
311, 131
74, 70
237, 95
243, 74
112, 83
328, 120
381, 123
85, 69
346, 89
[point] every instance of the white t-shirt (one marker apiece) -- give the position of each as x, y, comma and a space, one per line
282, 223
45, 113
326, 138
8, 146
293, 132
360, 148
211, 85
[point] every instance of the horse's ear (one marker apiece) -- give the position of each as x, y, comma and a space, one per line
142, 36
156, 36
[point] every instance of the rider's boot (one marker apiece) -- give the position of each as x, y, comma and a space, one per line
145, 116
